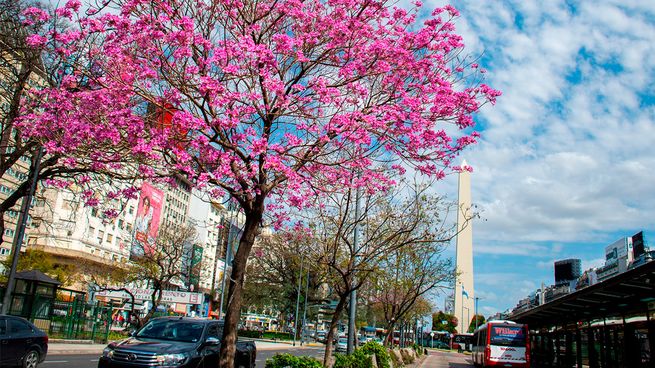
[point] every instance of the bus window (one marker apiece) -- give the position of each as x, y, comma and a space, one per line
507, 336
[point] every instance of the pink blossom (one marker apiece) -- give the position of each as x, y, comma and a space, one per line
36, 40
36, 14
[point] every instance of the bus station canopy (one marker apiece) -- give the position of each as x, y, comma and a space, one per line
625, 295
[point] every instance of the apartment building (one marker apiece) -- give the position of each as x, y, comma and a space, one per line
12, 62
71, 232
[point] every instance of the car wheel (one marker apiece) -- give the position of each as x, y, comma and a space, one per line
31, 359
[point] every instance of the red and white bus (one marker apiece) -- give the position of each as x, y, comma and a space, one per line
501, 344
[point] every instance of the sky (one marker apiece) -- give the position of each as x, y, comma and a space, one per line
563, 168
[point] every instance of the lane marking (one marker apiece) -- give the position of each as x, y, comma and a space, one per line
55, 361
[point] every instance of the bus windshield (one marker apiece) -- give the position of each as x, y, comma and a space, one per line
507, 336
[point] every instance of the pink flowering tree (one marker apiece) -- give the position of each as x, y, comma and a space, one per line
269, 101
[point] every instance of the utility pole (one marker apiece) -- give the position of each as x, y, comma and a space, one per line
228, 253
20, 233
353, 294
295, 316
476, 312
304, 312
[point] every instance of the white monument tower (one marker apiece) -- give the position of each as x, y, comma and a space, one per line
464, 290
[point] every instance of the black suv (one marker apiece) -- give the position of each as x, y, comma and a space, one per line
175, 342
21, 343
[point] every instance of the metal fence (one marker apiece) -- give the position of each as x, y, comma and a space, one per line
66, 316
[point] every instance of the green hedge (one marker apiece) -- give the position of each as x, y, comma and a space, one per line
358, 359
291, 361
278, 335
381, 354
249, 333
418, 349
117, 335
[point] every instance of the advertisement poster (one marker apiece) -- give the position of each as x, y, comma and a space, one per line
151, 201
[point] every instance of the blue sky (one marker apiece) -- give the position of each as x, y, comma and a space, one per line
564, 165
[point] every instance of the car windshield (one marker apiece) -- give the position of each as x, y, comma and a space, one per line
173, 330
508, 336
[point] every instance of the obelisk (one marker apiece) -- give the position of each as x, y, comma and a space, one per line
464, 290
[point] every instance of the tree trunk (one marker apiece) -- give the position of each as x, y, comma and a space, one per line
235, 291
327, 361
155, 304
388, 340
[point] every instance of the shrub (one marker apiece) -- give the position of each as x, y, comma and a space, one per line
249, 333
408, 356
396, 358
418, 349
291, 361
117, 335
381, 354
277, 335
357, 359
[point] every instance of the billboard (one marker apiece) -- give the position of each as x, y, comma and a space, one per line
151, 201
168, 296
638, 244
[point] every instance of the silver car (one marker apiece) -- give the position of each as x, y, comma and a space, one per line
342, 344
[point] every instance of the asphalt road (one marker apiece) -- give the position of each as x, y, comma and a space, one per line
91, 360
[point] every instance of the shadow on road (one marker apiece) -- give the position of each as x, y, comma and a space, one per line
459, 365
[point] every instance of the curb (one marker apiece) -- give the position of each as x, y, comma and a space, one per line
70, 341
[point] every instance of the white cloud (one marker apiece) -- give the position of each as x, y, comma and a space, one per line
567, 154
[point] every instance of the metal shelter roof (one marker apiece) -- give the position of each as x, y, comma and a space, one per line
626, 294
36, 275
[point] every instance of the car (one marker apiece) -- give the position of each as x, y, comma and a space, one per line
438, 344
342, 344
321, 336
179, 342
21, 343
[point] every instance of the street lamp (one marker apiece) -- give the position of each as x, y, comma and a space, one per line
295, 324
304, 312
476, 312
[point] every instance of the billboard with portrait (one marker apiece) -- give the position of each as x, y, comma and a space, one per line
151, 201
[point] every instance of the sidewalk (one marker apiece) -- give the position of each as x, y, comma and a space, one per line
444, 359
58, 348
74, 347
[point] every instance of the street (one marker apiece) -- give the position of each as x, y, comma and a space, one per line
446, 359
91, 360
438, 359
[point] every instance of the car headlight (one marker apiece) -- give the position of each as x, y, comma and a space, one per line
171, 360
108, 352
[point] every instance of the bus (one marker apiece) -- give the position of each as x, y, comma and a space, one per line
461, 342
501, 344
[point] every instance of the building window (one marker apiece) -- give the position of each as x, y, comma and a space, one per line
91, 230
121, 224
9, 232
110, 237
131, 210
4, 251
101, 235
94, 212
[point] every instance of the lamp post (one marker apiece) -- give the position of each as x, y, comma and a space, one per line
353, 294
476, 312
295, 324
228, 256
304, 312
20, 231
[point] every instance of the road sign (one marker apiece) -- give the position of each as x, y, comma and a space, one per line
169, 296
431, 334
